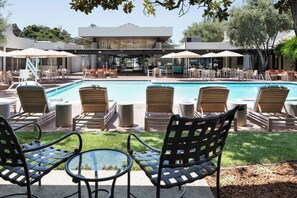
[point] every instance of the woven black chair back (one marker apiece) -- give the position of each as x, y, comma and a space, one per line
11, 153
193, 141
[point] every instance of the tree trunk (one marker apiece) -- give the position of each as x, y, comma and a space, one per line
293, 6
263, 59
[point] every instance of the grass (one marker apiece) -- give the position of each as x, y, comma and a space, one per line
242, 148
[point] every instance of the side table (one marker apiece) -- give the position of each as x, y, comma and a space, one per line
186, 109
5, 109
241, 116
291, 108
96, 166
63, 114
125, 113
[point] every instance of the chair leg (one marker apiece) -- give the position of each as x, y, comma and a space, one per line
158, 192
218, 176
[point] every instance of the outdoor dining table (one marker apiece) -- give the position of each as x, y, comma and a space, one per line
96, 166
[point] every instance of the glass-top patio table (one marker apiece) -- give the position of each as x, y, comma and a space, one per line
99, 165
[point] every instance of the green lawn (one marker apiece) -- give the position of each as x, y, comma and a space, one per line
241, 147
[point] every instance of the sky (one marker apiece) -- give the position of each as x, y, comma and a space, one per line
57, 13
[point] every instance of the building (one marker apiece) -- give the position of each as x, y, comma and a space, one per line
134, 49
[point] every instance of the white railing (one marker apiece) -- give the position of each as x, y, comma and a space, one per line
32, 68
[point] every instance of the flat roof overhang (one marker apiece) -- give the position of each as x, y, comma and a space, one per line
161, 33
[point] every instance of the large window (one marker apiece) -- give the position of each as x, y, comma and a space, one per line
126, 43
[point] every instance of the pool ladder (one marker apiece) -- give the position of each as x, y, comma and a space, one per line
267, 78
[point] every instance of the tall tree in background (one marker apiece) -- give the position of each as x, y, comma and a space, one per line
43, 33
3, 24
207, 31
256, 25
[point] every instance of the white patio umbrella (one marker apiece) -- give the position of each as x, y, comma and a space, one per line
209, 55
227, 54
187, 54
30, 53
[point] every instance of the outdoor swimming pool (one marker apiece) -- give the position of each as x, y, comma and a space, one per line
134, 91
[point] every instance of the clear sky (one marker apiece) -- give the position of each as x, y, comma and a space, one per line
57, 13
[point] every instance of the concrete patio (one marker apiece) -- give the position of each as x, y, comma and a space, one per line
58, 184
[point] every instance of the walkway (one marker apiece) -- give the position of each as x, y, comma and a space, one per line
58, 184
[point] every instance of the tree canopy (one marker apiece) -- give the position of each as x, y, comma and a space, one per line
212, 8
256, 25
43, 33
207, 31
3, 24
287, 48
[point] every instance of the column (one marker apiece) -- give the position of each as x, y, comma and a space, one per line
94, 57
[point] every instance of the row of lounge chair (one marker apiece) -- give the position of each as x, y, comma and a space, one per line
97, 109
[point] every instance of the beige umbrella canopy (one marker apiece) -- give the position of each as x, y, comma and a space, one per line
2, 53
28, 53
209, 55
227, 54
186, 54
170, 55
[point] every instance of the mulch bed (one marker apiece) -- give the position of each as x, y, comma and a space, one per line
271, 181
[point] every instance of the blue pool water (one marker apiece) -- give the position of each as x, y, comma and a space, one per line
134, 91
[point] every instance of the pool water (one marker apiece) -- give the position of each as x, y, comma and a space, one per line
134, 91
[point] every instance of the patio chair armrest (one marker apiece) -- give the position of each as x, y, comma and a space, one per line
130, 151
32, 123
57, 141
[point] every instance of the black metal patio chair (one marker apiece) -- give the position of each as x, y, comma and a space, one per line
26, 164
190, 148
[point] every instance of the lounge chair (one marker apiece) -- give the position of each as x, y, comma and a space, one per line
269, 109
35, 106
159, 105
97, 110
212, 100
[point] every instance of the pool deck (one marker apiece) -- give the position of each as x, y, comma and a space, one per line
139, 108
59, 184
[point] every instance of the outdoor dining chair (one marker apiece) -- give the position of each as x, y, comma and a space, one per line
26, 164
192, 150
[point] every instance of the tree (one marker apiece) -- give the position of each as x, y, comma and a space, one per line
16, 30
208, 31
43, 33
285, 6
212, 8
3, 24
287, 48
256, 25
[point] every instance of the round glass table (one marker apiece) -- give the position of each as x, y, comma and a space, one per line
99, 165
